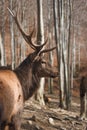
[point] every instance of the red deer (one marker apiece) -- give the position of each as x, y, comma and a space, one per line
18, 85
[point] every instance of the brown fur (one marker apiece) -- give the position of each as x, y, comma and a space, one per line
10, 90
83, 86
83, 97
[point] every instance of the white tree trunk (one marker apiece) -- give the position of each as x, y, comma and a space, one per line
40, 37
50, 80
1, 52
3, 60
63, 48
40, 92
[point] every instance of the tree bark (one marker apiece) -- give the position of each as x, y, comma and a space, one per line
63, 50
50, 80
12, 37
40, 38
1, 52
3, 58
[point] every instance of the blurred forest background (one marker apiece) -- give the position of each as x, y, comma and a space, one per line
65, 26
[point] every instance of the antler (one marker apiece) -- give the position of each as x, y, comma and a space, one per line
46, 50
26, 36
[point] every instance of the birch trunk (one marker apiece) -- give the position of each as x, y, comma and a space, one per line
40, 37
2, 35
50, 80
1, 52
63, 49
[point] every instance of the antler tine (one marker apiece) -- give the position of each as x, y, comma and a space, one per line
47, 50
44, 51
26, 36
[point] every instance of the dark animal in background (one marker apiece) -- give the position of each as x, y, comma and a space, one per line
83, 98
18, 85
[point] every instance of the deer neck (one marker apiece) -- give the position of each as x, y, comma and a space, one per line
28, 80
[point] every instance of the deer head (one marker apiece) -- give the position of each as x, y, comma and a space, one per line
38, 64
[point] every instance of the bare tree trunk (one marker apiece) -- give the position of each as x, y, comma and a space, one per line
79, 54
50, 80
74, 54
40, 37
3, 60
1, 52
12, 37
22, 19
57, 35
69, 53
58, 22
72, 67
63, 48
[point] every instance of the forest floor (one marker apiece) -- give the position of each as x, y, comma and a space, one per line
51, 117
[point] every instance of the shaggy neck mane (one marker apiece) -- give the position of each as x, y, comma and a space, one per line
29, 80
